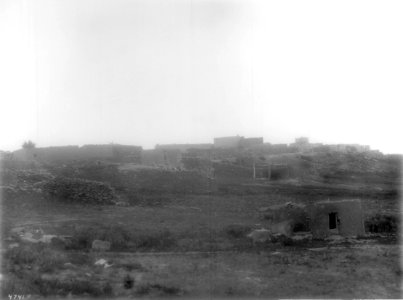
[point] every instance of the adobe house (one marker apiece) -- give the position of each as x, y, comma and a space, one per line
342, 217
228, 142
322, 219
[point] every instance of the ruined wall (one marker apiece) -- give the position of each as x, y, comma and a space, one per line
349, 213
160, 157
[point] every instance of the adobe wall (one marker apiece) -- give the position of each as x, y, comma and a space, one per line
349, 212
227, 142
251, 142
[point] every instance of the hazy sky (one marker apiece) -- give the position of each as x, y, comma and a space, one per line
76, 72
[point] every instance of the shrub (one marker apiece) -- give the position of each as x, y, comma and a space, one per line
74, 286
21, 255
136, 198
46, 259
163, 290
237, 230
116, 235
130, 266
76, 190
162, 240
128, 282
50, 260
82, 238
78, 258
121, 239
382, 223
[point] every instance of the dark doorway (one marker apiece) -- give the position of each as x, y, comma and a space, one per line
332, 220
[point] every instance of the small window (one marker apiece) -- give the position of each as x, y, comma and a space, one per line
332, 220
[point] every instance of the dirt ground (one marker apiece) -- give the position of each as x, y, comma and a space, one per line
202, 261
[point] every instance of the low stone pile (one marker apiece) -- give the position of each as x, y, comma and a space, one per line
83, 191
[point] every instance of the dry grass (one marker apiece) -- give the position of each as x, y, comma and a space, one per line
192, 223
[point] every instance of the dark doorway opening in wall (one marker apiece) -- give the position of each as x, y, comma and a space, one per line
333, 220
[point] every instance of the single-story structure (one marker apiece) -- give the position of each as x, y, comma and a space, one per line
342, 217
322, 219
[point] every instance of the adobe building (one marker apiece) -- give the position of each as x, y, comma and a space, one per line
239, 142
322, 219
342, 217
253, 142
228, 142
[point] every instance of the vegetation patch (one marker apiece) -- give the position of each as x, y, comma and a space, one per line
158, 290
55, 286
76, 190
382, 223
121, 239
237, 230
84, 236
43, 258
154, 241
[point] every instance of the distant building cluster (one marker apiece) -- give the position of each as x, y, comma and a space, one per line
234, 149
108, 152
237, 142
303, 145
